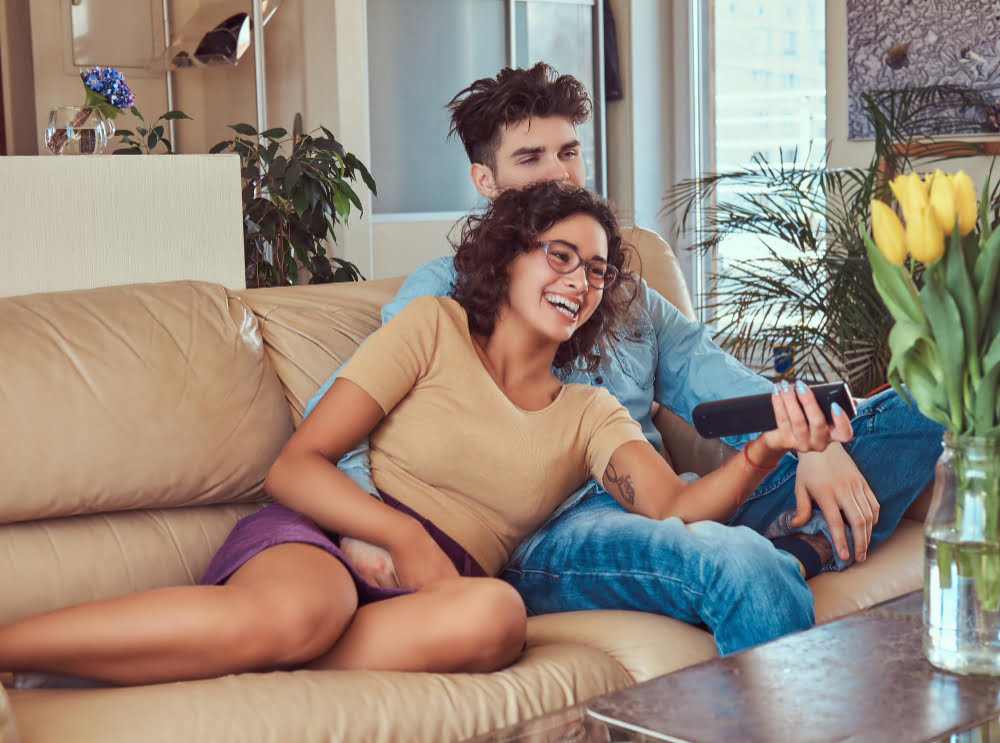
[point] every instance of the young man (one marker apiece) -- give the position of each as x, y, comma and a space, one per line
520, 127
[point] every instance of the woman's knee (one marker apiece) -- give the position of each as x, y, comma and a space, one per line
492, 623
284, 628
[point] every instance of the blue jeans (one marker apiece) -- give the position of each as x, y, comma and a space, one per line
596, 555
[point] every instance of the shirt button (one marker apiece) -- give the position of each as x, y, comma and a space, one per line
599, 380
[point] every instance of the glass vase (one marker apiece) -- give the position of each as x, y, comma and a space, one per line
962, 558
76, 130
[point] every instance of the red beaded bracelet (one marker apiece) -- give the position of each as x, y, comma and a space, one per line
746, 456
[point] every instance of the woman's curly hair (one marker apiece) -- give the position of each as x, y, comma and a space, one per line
510, 226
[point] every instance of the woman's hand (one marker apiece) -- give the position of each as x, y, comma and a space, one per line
372, 562
419, 561
801, 424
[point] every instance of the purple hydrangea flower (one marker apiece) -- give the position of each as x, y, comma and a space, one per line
110, 83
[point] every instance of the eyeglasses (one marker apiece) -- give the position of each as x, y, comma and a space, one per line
563, 258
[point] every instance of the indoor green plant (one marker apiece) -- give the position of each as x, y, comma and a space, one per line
147, 137
945, 349
296, 190
817, 297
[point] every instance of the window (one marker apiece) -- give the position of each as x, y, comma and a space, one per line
760, 106
421, 54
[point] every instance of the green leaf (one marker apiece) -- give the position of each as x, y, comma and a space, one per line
276, 133
893, 283
171, 115
317, 221
267, 155
277, 169
946, 325
170, 147
342, 204
219, 147
299, 202
985, 418
986, 270
959, 286
127, 151
245, 129
302, 242
346, 189
984, 211
991, 359
135, 112
905, 335
365, 175
293, 173
152, 139
123, 133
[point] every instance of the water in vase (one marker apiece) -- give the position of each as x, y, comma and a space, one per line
959, 634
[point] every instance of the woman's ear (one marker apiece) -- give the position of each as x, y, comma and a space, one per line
484, 180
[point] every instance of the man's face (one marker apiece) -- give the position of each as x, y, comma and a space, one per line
533, 150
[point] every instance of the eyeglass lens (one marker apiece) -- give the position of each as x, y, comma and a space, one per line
564, 259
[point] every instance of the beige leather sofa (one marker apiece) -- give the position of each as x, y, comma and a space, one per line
138, 424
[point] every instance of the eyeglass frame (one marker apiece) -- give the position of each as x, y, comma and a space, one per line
610, 276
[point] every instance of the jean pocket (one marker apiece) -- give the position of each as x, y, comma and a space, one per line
637, 352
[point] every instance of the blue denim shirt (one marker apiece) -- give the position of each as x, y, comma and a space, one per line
666, 357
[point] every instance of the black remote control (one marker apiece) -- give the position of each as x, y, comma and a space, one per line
753, 413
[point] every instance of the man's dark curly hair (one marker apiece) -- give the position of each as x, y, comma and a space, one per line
510, 226
480, 111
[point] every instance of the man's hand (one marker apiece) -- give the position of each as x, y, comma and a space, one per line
371, 561
419, 561
832, 480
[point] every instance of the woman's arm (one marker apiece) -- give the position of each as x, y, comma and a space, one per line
643, 482
305, 479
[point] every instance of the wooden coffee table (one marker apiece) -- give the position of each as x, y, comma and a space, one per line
860, 678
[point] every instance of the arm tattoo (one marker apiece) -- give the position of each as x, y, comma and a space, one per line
624, 484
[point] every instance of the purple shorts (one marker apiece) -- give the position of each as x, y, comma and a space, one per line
275, 524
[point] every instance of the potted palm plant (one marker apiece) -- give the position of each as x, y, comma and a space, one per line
817, 296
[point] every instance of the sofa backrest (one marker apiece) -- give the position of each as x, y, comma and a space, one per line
146, 416
309, 331
133, 397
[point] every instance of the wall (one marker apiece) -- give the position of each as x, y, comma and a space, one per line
144, 241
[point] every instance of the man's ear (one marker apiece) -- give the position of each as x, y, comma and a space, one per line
484, 180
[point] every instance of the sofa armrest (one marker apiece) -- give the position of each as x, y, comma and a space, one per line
8, 731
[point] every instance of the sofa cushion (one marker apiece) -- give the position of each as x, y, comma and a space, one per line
141, 396
893, 568
309, 331
646, 645
56, 562
315, 706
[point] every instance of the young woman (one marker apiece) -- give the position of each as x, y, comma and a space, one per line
475, 441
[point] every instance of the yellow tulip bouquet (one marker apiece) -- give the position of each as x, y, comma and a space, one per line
945, 342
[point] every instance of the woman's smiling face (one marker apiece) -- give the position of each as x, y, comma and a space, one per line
556, 304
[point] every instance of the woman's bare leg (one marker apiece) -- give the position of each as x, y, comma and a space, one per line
283, 607
473, 625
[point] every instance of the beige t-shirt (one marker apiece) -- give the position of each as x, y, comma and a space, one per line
457, 451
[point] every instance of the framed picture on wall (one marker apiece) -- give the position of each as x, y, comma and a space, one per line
948, 54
